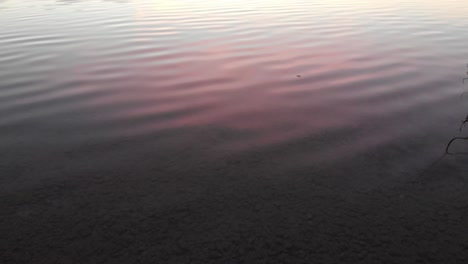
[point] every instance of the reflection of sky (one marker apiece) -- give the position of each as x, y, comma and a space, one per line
201, 62
197, 15
453, 9
254, 23
450, 8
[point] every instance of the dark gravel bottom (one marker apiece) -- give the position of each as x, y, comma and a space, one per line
235, 214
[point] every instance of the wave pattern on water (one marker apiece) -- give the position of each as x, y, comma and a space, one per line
273, 73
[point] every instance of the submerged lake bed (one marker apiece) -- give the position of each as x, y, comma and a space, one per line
266, 131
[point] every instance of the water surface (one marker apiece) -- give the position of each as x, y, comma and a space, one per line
122, 104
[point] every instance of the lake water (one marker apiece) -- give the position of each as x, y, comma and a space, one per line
209, 117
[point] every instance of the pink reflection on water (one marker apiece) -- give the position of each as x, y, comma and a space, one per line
238, 92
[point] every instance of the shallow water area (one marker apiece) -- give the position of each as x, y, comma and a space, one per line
156, 128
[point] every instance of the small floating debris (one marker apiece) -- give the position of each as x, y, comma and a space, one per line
299, 76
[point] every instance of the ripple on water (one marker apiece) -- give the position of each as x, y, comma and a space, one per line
278, 76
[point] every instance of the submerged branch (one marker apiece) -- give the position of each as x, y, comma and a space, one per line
462, 125
450, 143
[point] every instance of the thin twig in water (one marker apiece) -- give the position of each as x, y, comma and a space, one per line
450, 143
461, 95
466, 74
463, 123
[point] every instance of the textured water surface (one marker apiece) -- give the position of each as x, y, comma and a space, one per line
137, 108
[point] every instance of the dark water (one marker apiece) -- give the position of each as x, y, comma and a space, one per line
182, 108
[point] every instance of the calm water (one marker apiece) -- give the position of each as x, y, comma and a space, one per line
190, 115
92, 87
